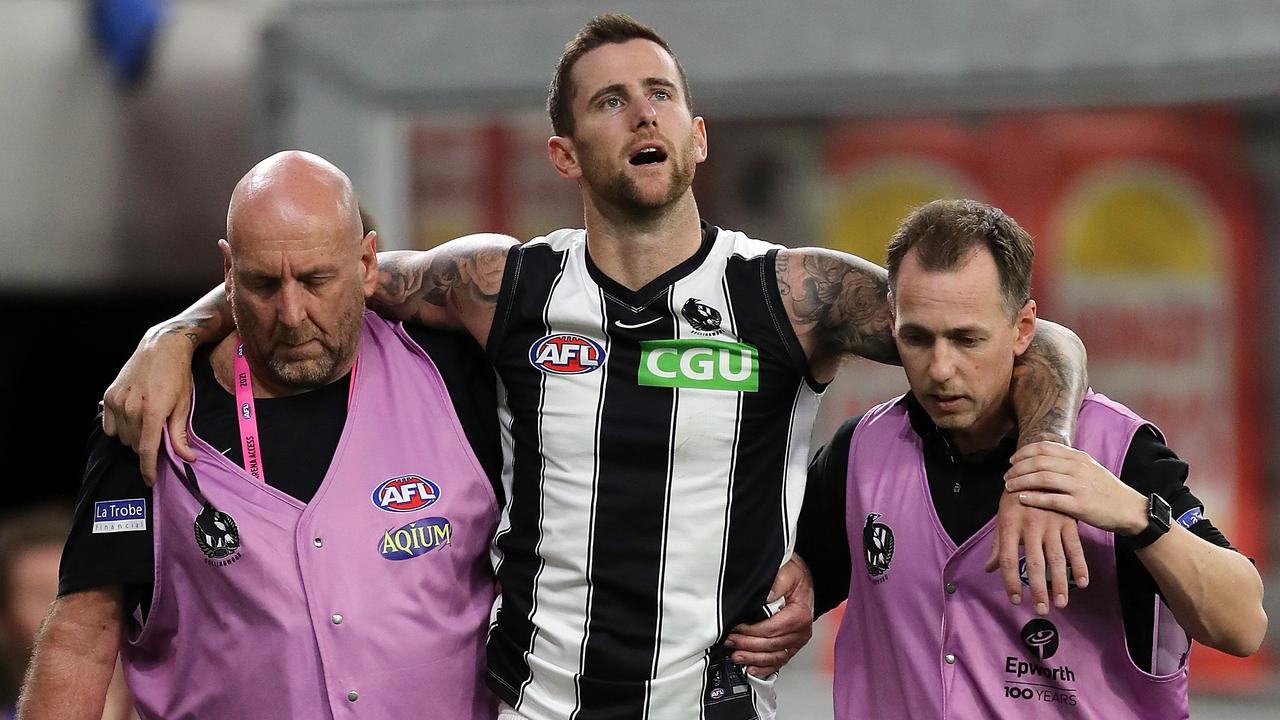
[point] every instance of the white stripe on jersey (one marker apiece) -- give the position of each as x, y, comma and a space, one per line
567, 518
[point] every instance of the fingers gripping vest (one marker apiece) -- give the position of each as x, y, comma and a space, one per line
371, 601
928, 634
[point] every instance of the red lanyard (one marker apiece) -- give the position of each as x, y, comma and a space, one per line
250, 447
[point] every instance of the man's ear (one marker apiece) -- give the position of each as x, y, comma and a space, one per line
1026, 327
225, 247
893, 314
564, 157
369, 262
700, 134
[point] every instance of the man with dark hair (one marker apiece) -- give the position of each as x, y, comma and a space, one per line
309, 559
603, 30
938, 459
659, 380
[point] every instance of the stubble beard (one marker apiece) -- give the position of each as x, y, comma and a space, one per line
315, 371
621, 190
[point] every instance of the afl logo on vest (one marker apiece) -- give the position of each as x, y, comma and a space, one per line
877, 547
217, 536
405, 494
565, 354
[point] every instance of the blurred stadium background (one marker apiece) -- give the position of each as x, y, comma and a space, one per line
1138, 140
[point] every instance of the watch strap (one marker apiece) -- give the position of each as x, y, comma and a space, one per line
1159, 519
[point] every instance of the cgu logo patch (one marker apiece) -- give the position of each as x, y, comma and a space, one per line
405, 493
416, 539
703, 364
566, 354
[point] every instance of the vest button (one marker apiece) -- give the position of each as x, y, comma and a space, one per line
337, 619
951, 659
951, 588
318, 542
353, 696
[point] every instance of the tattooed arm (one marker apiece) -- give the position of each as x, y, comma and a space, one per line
454, 285
154, 385
838, 305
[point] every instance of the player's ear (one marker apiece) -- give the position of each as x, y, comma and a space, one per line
564, 157
227, 278
369, 262
1025, 322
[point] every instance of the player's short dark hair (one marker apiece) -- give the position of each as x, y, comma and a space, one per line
611, 28
943, 233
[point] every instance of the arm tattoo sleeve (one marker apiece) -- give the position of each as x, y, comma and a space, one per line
208, 320
1049, 382
840, 300
453, 278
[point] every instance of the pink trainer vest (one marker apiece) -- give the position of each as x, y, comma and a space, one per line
372, 601
928, 634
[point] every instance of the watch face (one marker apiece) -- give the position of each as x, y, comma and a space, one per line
1159, 511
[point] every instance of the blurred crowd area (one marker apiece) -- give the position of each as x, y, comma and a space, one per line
1146, 165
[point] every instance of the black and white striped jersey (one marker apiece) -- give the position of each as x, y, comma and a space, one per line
656, 444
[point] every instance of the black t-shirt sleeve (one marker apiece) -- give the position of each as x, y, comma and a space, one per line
1151, 467
98, 553
821, 537
469, 377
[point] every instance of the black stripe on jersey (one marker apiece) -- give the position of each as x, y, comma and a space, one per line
595, 493
502, 311
538, 270
733, 468
634, 427
666, 508
728, 506
755, 535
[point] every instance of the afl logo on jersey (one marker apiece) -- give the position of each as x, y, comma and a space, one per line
406, 493
877, 547
566, 354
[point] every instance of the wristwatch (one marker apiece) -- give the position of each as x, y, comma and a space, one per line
1159, 518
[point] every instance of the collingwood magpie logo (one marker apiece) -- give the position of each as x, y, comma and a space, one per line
217, 535
877, 546
1041, 638
704, 319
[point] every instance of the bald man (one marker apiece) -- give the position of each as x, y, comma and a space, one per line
323, 554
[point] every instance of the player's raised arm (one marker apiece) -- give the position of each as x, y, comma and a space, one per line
839, 305
155, 384
454, 285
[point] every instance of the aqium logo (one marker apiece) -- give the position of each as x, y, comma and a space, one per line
699, 363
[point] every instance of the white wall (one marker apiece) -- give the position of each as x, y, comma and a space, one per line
103, 186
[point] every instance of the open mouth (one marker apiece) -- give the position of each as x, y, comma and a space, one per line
648, 156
